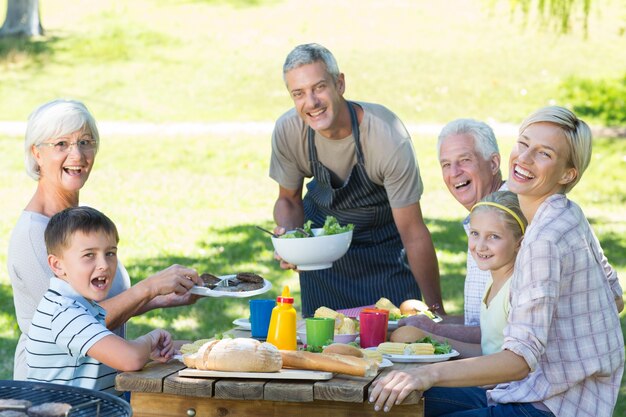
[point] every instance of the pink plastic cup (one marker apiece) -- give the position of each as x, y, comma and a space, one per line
373, 327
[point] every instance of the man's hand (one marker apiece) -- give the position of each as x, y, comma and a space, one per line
279, 231
421, 321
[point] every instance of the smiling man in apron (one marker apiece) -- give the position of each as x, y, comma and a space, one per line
364, 172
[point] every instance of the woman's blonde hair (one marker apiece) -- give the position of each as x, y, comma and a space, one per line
499, 202
576, 132
52, 120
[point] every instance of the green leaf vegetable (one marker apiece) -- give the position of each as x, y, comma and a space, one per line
440, 347
331, 227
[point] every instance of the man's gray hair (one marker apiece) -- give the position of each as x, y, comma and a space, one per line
484, 139
52, 120
310, 53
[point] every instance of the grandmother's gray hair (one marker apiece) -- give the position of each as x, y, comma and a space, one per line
576, 132
310, 53
485, 141
52, 120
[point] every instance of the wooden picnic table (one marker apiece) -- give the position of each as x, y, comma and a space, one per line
157, 390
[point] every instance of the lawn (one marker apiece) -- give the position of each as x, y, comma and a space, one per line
194, 199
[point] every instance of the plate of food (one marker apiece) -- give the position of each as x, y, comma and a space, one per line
425, 350
421, 358
386, 363
241, 285
243, 323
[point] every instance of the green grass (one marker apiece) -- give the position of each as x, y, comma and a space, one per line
209, 60
195, 199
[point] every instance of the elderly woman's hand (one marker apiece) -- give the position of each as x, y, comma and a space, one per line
176, 280
396, 386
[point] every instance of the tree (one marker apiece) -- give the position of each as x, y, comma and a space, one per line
558, 12
22, 19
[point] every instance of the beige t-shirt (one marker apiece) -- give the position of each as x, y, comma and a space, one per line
387, 150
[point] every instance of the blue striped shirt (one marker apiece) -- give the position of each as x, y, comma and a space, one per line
64, 328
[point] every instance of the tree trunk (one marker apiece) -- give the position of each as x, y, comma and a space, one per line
22, 19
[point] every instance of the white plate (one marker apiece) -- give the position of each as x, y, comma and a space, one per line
419, 358
386, 363
243, 323
241, 294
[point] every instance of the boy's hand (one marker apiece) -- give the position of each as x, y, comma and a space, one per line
161, 345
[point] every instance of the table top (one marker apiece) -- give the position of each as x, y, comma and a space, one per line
163, 378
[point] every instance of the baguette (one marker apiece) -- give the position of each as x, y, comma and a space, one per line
329, 362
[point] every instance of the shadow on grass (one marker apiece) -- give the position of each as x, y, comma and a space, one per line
614, 247
26, 52
10, 332
450, 240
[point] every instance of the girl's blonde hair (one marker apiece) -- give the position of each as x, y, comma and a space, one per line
499, 202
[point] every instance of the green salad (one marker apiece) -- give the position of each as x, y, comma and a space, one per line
440, 347
331, 227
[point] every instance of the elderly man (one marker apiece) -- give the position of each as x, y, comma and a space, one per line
470, 165
364, 172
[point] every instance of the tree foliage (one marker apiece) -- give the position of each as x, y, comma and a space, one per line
556, 12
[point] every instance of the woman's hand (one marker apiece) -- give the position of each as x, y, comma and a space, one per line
397, 385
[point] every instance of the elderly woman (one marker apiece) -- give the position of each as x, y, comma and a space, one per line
60, 148
563, 351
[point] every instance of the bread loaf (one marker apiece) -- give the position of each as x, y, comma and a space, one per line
412, 307
236, 355
343, 349
406, 334
329, 362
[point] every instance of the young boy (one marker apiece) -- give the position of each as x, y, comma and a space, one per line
68, 342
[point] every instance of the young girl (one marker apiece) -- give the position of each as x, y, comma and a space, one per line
496, 229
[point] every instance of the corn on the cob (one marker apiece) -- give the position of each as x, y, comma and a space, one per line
373, 355
325, 312
419, 349
391, 348
348, 326
385, 304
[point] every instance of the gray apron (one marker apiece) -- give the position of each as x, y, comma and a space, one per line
375, 265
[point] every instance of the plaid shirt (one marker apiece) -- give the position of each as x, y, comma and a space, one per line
563, 318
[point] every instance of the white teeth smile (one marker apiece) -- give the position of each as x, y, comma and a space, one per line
461, 184
524, 173
317, 113
99, 282
484, 256
73, 168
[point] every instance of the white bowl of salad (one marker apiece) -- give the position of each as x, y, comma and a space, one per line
319, 250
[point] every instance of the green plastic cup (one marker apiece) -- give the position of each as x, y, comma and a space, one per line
319, 331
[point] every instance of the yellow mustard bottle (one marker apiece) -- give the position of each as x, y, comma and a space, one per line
282, 331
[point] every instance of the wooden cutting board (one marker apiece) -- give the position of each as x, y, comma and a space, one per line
282, 374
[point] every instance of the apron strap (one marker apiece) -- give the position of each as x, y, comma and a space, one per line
354, 121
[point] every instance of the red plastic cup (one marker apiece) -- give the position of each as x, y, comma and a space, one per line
373, 327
